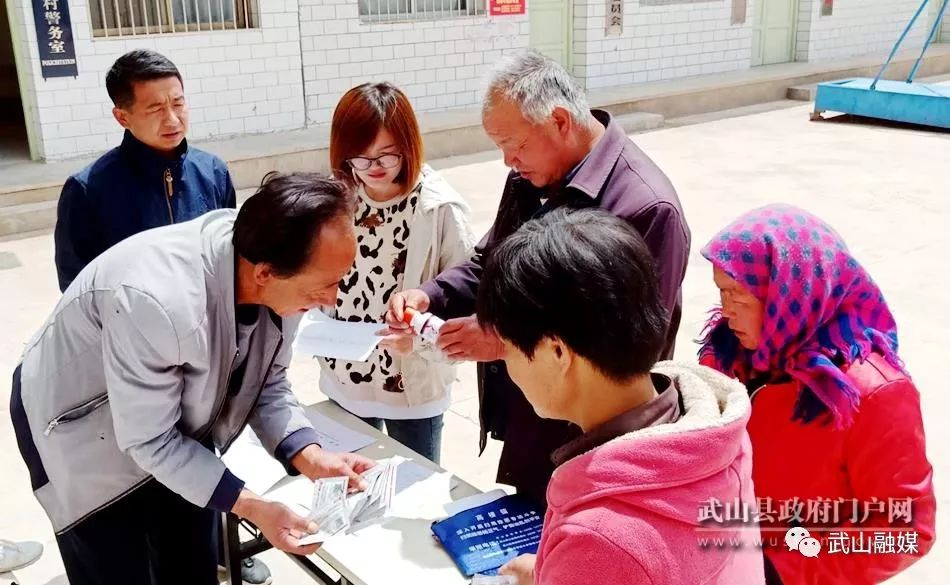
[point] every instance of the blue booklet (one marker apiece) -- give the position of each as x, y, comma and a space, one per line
484, 538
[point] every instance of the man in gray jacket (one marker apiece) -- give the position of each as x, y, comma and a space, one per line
158, 355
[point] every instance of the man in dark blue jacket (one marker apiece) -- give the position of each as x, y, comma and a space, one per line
152, 179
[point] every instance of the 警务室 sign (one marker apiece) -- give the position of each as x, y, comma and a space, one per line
54, 37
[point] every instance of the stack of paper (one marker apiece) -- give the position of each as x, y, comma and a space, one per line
336, 512
401, 547
329, 505
376, 500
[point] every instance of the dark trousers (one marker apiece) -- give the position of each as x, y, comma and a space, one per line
153, 536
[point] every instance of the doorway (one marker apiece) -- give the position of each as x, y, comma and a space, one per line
14, 144
551, 23
773, 31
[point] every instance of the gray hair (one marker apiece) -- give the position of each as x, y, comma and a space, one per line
537, 84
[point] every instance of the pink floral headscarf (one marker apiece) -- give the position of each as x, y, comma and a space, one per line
821, 308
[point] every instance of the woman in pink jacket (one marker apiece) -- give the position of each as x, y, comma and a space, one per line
836, 427
573, 296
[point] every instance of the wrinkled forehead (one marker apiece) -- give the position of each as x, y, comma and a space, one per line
502, 116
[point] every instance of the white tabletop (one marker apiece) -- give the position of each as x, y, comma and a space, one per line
401, 549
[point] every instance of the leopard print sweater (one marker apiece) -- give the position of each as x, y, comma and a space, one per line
382, 232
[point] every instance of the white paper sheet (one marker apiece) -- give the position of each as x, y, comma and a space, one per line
418, 489
409, 472
320, 336
334, 436
249, 461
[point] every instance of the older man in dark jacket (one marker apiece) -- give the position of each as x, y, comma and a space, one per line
561, 154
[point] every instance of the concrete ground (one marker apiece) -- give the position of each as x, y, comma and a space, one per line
884, 188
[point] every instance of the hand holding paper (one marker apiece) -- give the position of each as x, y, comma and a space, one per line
336, 512
279, 524
317, 463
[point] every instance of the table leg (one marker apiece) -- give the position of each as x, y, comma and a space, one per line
232, 548
315, 571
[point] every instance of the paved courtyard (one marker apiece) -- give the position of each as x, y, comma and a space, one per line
885, 189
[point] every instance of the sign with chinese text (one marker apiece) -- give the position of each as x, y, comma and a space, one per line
505, 7
54, 36
614, 18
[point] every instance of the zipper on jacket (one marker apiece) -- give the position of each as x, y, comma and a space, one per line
149, 477
73, 414
169, 192
220, 405
240, 427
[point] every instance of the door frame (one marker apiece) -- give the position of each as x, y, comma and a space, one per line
758, 52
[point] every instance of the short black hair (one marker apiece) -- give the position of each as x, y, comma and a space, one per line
280, 223
135, 66
585, 277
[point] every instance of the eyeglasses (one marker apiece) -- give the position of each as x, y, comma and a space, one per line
386, 161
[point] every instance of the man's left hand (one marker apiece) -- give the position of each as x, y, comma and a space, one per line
521, 568
316, 463
464, 339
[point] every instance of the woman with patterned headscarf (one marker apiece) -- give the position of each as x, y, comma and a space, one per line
836, 429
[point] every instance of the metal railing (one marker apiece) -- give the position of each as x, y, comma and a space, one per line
406, 10
123, 18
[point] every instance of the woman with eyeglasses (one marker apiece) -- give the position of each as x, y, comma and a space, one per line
411, 225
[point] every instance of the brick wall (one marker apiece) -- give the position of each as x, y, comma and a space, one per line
440, 64
237, 82
662, 39
858, 28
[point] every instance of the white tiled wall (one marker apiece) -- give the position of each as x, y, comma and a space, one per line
440, 64
858, 28
665, 41
237, 82
291, 72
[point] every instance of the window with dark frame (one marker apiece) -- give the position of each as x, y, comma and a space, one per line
125, 18
403, 10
